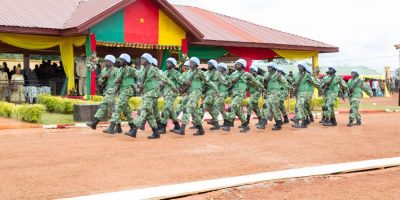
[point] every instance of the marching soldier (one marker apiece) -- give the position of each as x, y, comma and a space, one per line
330, 89
255, 94
149, 83
223, 92
170, 95
304, 84
283, 94
210, 101
271, 109
356, 87
185, 76
240, 81
126, 83
195, 83
107, 81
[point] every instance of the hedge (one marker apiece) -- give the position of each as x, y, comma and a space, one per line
59, 104
25, 112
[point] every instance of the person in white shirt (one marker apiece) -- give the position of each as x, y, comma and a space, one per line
81, 72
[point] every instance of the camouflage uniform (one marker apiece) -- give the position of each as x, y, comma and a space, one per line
182, 104
255, 94
243, 80
108, 103
170, 95
283, 94
356, 87
304, 84
223, 94
331, 87
126, 91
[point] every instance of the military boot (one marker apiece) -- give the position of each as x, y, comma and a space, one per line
176, 127
285, 119
350, 124
296, 123
110, 129
245, 127
93, 124
216, 126
278, 125
163, 129
323, 120
143, 126
311, 118
131, 125
358, 122
118, 128
132, 132
262, 123
155, 134
304, 123
200, 131
228, 126
181, 131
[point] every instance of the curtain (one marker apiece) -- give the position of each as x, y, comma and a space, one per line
295, 55
250, 54
37, 42
206, 52
166, 55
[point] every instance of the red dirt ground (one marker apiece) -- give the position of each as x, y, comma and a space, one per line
382, 184
45, 164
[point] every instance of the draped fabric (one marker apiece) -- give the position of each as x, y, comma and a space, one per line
295, 55
250, 54
37, 42
91, 75
206, 52
166, 55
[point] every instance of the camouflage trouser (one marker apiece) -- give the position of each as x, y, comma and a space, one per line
182, 103
191, 108
123, 105
156, 111
147, 112
354, 106
253, 104
283, 94
219, 105
271, 106
308, 103
302, 105
169, 111
328, 108
236, 108
209, 104
107, 105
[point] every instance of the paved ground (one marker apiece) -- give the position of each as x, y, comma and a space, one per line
381, 184
43, 164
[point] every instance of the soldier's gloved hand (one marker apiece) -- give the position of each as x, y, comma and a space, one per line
188, 83
175, 90
234, 80
106, 76
118, 81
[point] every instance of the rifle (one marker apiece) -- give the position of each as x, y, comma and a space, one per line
351, 90
140, 86
327, 85
236, 80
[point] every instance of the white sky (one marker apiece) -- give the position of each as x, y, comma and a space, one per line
365, 31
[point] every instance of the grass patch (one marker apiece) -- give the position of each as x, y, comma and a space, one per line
56, 118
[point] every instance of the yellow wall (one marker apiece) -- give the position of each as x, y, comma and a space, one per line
169, 32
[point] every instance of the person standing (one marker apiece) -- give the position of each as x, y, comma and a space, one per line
356, 87
169, 95
255, 94
107, 81
331, 91
194, 84
241, 80
210, 102
271, 109
81, 72
17, 87
4, 82
303, 83
125, 83
149, 84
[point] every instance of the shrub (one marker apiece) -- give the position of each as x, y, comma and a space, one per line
26, 112
59, 104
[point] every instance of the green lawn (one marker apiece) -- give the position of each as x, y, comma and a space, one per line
56, 118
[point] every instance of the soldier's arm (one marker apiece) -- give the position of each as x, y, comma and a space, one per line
254, 82
366, 88
313, 80
160, 76
207, 82
222, 79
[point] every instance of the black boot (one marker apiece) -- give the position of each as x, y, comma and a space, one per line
142, 127
323, 120
200, 131
216, 126
307, 121
155, 134
176, 127
132, 132
327, 122
210, 122
311, 118
118, 129
358, 122
163, 129
181, 131
110, 129
285, 119
278, 125
224, 124
93, 124
350, 124
296, 123
262, 123
228, 126
245, 127
131, 125
193, 127
334, 123
259, 120
304, 123
232, 124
